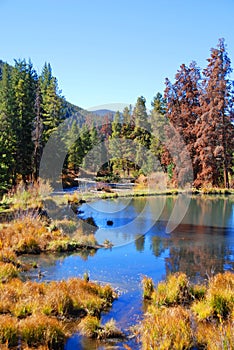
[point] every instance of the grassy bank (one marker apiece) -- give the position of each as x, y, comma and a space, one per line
182, 316
46, 313
144, 192
43, 315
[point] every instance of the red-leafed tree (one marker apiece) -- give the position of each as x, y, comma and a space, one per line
214, 130
182, 111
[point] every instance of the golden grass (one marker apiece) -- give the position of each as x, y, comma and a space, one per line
219, 298
7, 271
181, 315
174, 291
91, 327
38, 312
214, 337
166, 328
148, 287
29, 234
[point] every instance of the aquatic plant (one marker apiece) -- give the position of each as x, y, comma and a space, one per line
91, 327
148, 287
215, 337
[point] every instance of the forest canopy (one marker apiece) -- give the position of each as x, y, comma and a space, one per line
198, 104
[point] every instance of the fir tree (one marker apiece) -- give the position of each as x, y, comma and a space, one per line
214, 130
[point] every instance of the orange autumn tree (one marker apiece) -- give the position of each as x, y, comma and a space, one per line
214, 131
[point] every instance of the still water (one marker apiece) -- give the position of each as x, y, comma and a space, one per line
152, 236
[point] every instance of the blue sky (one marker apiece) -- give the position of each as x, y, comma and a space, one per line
112, 51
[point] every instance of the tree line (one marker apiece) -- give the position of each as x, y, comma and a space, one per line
195, 116
198, 105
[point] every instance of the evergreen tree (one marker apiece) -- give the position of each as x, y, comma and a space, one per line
141, 116
51, 102
24, 81
7, 137
158, 123
115, 146
86, 144
182, 112
93, 159
126, 116
214, 130
75, 152
37, 133
141, 133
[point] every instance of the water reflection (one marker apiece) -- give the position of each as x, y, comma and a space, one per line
197, 250
202, 243
139, 215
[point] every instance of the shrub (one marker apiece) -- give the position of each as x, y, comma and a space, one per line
181, 316
220, 294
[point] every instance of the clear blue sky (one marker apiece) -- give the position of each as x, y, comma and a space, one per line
106, 51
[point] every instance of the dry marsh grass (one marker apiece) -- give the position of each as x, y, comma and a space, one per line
29, 234
38, 313
167, 328
182, 316
91, 327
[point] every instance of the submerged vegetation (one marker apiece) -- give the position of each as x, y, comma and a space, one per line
181, 315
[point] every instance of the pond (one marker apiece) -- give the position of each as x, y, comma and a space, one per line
200, 244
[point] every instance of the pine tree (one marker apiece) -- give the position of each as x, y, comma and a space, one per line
214, 130
75, 153
127, 116
24, 81
115, 146
51, 102
37, 133
158, 123
7, 134
182, 112
93, 159
141, 133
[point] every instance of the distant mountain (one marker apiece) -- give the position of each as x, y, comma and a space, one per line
104, 112
73, 111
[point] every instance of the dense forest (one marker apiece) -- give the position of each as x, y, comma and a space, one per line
199, 106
